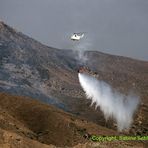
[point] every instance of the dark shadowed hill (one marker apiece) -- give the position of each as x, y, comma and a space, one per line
29, 68
28, 123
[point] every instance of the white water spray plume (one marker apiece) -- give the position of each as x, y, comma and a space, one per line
112, 103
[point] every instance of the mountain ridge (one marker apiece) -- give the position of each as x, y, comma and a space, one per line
29, 68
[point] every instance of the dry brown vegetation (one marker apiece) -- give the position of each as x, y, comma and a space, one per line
29, 68
28, 123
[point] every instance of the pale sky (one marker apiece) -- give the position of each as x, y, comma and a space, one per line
112, 26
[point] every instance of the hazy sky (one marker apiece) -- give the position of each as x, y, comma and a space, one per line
114, 26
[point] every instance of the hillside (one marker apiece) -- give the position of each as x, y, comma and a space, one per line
25, 122
29, 68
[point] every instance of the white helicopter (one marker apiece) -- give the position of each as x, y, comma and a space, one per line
77, 36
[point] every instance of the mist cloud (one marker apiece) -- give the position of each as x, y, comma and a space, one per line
112, 103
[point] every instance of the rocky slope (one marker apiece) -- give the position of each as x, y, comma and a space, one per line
28, 68
28, 123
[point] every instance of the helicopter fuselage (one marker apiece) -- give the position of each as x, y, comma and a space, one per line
76, 37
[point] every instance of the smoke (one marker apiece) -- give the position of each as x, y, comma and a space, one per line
112, 103
80, 49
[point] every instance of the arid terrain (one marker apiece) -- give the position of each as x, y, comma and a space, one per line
42, 103
25, 122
